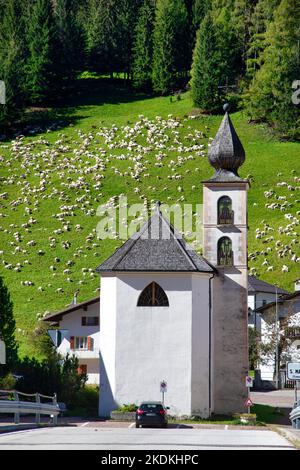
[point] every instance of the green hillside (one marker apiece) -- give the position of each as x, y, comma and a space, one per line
55, 179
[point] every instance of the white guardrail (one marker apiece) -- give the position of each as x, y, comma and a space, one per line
295, 416
10, 403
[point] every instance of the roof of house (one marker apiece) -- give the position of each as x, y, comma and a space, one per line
57, 316
156, 247
257, 285
281, 300
254, 285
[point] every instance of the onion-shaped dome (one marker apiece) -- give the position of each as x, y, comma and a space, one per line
226, 153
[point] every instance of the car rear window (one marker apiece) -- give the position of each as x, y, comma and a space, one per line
151, 407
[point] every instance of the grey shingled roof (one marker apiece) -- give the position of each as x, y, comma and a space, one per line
257, 285
226, 153
156, 247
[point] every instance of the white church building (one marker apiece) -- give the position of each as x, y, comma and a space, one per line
169, 314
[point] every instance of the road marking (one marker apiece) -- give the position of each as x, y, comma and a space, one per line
85, 424
131, 425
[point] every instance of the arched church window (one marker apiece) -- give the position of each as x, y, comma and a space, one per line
225, 253
153, 296
225, 212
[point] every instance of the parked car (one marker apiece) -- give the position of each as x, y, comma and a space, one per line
151, 414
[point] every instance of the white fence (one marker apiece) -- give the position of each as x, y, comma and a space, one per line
10, 402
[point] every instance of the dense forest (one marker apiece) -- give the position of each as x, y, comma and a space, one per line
245, 50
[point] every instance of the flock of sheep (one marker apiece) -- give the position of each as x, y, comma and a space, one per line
50, 190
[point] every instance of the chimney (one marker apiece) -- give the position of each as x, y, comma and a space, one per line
75, 297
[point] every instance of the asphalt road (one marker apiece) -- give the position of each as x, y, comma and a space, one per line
83, 438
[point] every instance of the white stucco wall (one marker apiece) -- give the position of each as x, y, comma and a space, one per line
108, 311
212, 232
141, 346
72, 324
256, 300
200, 346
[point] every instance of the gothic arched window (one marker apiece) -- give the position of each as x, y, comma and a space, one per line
225, 253
225, 212
153, 296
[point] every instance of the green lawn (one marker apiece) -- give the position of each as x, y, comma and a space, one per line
264, 415
91, 158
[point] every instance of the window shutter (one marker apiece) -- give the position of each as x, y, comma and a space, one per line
90, 343
83, 321
82, 369
72, 342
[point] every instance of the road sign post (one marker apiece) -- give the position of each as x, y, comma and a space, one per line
249, 384
163, 389
248, 403
293, 373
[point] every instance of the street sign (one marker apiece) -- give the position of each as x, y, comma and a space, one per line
248, 402
249, 381
293, 370
163, 386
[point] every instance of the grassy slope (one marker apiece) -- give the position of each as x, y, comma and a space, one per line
265, 159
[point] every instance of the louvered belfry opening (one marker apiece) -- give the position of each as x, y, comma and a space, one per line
225, 212
153, 296
225, 253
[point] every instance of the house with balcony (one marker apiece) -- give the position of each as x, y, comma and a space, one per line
260, 293
280, 327
76, 331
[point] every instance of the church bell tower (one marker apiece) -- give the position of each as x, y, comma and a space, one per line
225, 246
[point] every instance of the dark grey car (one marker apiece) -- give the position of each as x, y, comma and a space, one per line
151, 414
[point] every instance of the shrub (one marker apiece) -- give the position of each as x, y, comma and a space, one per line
127, 408
8, 382
85, 402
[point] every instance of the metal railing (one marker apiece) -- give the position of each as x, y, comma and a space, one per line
295, 415
11, 403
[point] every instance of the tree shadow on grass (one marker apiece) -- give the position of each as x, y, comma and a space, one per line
61, 110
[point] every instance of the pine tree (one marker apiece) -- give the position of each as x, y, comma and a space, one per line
206, 72
40, 41
101, 35
200, 9
270, 95
143, 47
127, 13
242, 20
228, 48
69, 39
7, 326
12, 59
170, 57
261, 18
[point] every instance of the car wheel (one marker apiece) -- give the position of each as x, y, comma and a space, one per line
165, 425
137, 425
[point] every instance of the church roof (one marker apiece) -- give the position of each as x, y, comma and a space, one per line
226, 153
257, 285
156, 247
